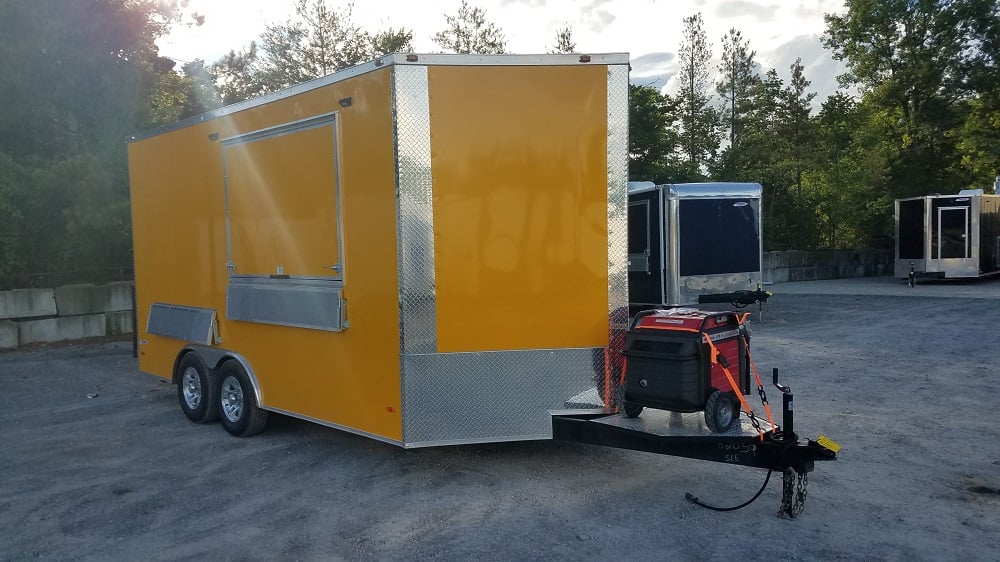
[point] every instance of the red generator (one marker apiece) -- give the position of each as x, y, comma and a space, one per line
670, 364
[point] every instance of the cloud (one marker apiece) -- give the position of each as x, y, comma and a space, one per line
594, 14
738, 8
528, 3
651, 61
653, 69
658, 81
817, 62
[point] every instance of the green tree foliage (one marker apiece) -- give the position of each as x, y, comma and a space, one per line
916, 62
315, 41
653, 140
699, 120
468, 31
237, 76
737, 77
564, 41
76, 79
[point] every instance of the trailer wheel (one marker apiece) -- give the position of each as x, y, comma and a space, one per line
240, 414
632, 410
722, 411
196, 390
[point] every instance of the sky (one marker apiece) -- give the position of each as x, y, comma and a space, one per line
649, 30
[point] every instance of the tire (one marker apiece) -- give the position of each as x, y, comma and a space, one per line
197, 390
238, 409
722, 411
632, 410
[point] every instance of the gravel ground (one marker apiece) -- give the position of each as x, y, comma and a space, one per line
98, 463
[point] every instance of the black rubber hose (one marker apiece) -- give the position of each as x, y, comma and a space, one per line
689, 497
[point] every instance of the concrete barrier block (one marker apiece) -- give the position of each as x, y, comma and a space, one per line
73, 300
802, 274
118, 322
27, 303
63, 328
8, 334
777, 275
797, 259
121, 296
826, 272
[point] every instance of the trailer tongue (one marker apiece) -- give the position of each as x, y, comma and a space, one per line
694, 367
686, 435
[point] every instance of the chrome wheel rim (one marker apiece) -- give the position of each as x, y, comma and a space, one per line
232, 399
191, 388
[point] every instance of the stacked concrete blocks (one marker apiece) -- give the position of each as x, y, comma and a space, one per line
70, 312
795, 265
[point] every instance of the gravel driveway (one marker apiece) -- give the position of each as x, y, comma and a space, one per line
98, 463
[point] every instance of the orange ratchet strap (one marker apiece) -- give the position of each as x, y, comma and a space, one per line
729, 376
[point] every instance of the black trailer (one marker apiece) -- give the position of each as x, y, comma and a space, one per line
688, 240
948, 236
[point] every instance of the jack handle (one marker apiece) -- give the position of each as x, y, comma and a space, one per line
787, 432
784, 389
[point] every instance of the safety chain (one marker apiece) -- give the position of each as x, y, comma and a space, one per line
793, 493
760, 386
755, 423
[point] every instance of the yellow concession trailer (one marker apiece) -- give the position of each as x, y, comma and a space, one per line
424, 249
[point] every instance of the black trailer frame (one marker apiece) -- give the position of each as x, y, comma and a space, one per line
751, 443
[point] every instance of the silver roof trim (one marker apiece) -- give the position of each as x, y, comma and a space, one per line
713, 190
962, 193
641, 186
507, 60
387, 60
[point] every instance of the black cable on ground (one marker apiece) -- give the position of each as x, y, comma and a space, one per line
689, 497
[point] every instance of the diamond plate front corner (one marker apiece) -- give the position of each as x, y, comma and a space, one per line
617, 220
418, 317
494, 396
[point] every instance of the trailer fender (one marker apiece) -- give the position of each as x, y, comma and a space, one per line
215, 357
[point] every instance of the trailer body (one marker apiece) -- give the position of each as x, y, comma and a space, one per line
424, 249
948, 236
687, 240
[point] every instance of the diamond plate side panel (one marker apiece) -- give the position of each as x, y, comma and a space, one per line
418, 322
617, 221
494, 396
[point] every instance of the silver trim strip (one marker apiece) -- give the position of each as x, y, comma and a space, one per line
415, 222
720, 189
599, 59
378, 64
447, 442
618, 262
332, 425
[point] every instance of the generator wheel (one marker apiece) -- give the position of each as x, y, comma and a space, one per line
196, 390
632, 410
722, 411
240, 414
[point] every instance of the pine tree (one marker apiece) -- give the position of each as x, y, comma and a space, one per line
468, 31
699, 120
